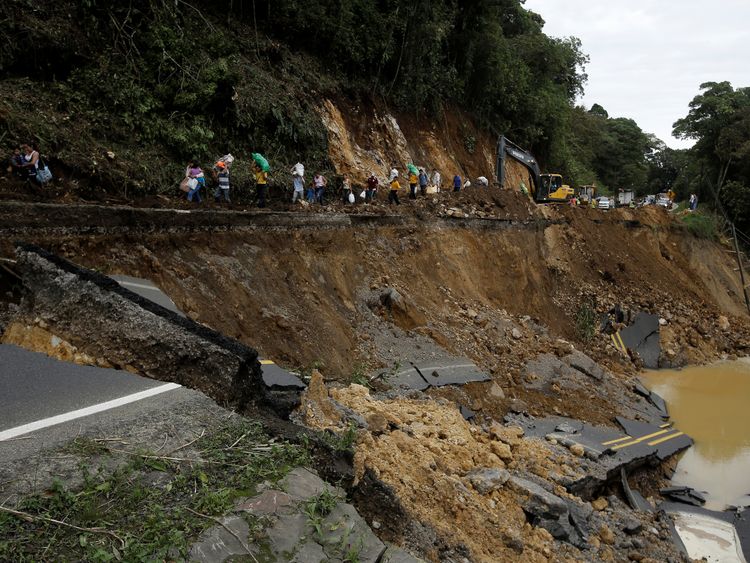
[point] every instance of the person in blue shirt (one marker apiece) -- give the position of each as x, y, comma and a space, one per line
456, 183
423, 181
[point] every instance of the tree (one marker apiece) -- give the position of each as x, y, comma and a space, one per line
719, 121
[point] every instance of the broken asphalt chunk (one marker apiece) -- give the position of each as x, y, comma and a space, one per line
687, 495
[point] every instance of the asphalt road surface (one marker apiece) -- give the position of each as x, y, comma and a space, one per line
40, 394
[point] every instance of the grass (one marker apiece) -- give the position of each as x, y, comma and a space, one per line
151, 507
701, 225
585, 319
359, 376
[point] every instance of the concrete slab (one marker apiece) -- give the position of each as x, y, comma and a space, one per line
148, 290
456, 371
708, 537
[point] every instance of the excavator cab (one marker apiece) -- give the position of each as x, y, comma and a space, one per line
554, 189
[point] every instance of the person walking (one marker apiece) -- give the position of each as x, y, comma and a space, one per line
372, 186
456, 183
320, 182
310, 195
693, 202
437, 180
30, 161
298, 182
412, 185
196, 181
423, 182
346, 186
393, 193
261, 185
222, 182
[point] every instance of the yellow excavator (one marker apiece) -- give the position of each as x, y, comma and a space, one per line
552, 184
545, 188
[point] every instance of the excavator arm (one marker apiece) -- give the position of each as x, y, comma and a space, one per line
506, 148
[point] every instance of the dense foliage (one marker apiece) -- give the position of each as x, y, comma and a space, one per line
161, 81
719, 121
194, 79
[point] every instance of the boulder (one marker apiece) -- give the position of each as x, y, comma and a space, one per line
485, 479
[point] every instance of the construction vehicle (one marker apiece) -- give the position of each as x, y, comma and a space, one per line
545, 188
586, 193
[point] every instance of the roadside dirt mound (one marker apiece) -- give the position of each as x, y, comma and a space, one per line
424, 450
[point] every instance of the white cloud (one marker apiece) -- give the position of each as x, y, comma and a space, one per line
648, 57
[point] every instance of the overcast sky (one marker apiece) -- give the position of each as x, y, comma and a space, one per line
648, 57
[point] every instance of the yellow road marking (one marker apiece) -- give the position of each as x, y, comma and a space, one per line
667, 425
665, 438
266, 362
641, 439
622, 344
617, 440
617, 341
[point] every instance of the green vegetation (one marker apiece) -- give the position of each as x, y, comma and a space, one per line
702, 225
719, 121
148, 509
585, 322
337, 442
160, 82
359, 375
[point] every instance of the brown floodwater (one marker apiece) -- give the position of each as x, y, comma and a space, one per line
712, 405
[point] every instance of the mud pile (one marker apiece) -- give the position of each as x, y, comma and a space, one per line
477, 487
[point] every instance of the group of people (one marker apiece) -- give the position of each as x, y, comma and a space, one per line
195, 181
26, 163
314, 192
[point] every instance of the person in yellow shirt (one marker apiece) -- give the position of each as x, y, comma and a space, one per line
261, 185
393, 193
412, 185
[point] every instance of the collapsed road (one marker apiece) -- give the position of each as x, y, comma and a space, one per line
445, 366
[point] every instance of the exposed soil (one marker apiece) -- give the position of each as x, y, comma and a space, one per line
304, 296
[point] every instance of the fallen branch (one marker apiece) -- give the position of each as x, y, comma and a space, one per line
190, 442
31, 518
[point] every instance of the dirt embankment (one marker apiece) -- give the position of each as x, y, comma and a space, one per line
498, 293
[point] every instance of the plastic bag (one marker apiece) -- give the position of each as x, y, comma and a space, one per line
192, 183
363, 195
43, 175
351, 197
299, 169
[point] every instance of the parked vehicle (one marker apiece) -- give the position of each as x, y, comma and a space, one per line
602, 203
664, 202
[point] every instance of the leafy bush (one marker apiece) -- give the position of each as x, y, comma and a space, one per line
702, 225
585, 320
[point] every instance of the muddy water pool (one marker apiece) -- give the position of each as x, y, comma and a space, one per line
712, 405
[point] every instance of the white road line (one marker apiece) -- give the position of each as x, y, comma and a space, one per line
139, 285
80, 413
456, 366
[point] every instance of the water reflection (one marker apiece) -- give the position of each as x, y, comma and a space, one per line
712, 405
